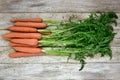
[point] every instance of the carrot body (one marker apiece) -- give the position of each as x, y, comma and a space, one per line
27, 30
31, 24
32, 42
28, 20
22, 54
17, 35
22, 29
20, 45
28, 49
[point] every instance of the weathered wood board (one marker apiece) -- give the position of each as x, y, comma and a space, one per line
59, 5
66, 71
54, 59
6, 17
114, 43
49, 67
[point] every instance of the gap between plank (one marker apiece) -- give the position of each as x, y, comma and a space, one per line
68, 63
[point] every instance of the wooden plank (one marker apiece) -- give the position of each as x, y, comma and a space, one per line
59, 5
114, 43
92, 71
4, 43
2, 32
5, 17
54, 59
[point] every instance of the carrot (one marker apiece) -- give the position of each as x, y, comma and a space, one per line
32, 42
31, 24
20, 45
28, 29
22, 54
28, 49
22, 29
27, 20
12, 35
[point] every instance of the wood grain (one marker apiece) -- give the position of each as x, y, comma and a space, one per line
66, 71
4, 51
5, 17
48, 67
114, 43
2, 32
59, 5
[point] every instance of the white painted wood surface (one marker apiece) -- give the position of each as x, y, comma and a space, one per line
5, 17
114, 43
54, 59
49, 67
92, 71
59, 5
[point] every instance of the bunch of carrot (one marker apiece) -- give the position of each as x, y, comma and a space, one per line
24, 36
75, 38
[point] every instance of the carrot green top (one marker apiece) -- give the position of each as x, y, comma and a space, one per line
83, 38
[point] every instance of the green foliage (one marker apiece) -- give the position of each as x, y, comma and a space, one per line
84, 38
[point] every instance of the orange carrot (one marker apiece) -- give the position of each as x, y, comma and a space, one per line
32, 42
13, 35
20, 45
28, 49
22, 54
28, 29
27, 20
31, 24
22, 29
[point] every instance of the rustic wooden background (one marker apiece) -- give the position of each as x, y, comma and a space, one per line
56, 67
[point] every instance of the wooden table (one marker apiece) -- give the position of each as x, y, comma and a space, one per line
56, 67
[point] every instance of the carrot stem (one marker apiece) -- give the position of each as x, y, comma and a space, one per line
44, 31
